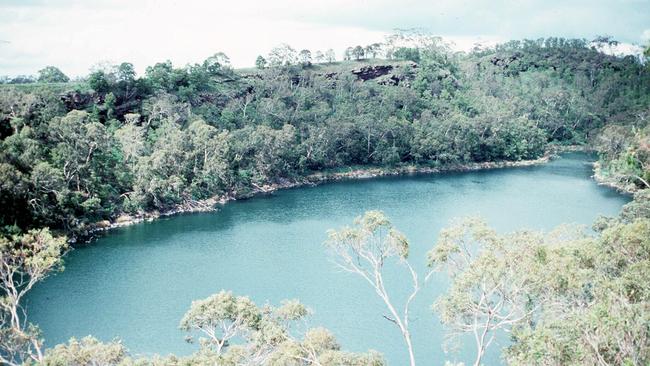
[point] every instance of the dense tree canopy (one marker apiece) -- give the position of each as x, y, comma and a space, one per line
74, 155
52, 74
234, 331
566, 297
118, 143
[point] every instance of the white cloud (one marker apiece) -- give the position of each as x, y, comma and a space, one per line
75, 34
645, 37
620, 49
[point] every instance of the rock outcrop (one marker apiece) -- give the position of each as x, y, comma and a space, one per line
75, 99
372, 72
387, 74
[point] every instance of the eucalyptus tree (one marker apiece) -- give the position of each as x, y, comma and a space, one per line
330, 56
601, 301
52, 74
161, 178
232, 331
625, 155
88, 351
267, 153
100, 81
15, 105
220, 318
260, 62
162, 77
235, 331
165, 106
319, 57
282, 55
304, 56
347, 54
131, 139
358, 53
365, 249
23, 108
125, 85
493, 279
24, 261
217, 63
372, 50
565, 297
82, 152
208, 155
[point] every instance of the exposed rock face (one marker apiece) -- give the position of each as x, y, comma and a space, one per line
372, 72
393, 80
77, 100
399, 74
387, 74
505, 62
253, 76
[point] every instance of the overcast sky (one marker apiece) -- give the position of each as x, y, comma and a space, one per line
75, 34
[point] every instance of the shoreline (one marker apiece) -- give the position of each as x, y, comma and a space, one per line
314, 179
598, 176
602, 180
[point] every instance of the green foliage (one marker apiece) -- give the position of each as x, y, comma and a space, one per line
85, 352
75, 154
565, 297
123, 143
625, 154
234, 331
406, 53
373, 235
224, 318
51, 74
498, 281
365, 249
605, 312
260, 62
99, 81
25, 260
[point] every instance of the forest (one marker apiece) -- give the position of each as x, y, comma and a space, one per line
77, 155
74, 154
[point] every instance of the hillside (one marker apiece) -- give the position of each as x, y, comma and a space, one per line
118, 143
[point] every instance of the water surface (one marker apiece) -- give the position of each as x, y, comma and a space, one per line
137, 282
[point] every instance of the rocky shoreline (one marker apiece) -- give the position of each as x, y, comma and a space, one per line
603, 180
598, 176
313, 179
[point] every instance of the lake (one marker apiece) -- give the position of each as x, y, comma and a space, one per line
135, 283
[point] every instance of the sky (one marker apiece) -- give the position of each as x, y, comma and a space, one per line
74, 35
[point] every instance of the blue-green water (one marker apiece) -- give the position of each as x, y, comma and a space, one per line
137, 282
